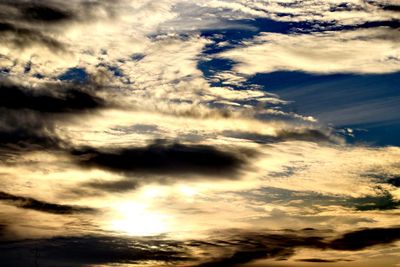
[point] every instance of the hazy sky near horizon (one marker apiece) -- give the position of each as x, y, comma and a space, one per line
199, 133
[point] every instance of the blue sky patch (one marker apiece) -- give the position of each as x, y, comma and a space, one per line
77, 75
370, 103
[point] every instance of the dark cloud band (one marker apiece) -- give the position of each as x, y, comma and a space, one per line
49, 99
233, 250
38, 205
163, 158
28, 115
22, 37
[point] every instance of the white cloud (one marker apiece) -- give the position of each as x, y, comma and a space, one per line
343, 13
357, 51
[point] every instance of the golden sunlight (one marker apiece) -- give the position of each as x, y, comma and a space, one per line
137, 219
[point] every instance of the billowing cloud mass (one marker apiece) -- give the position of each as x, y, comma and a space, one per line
199, 133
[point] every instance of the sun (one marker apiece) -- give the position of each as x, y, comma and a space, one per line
137, 219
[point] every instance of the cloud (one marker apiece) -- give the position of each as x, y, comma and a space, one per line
356, 51
42, 206
235, 249
365, 238
30, 115
27, 24
383, 200
52, 34
20, 37
36, 12
388, 5
395, 181
92, 250
246, 247
163, 158
54, 13
351, 12
386, 201
316, 260
51, 99
305, 134
75, 25
230, 139
119, 186
26, 131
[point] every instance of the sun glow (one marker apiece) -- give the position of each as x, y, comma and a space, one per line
138, 220
188, 191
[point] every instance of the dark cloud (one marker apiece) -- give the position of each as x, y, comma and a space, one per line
382, 177
54, 12
91, 250
387, 6
31, 22
391, 7
395, 181
163, 158
365, 238
385, 201
49, 99
316, 260
382, 200
111, 186
346, 7
246, 247
310, 135
313, 135
22, 22
23, 37
26, 130
224, 249
28, 116
42, 13
38, 205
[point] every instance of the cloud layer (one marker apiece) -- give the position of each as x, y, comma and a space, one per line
172, 132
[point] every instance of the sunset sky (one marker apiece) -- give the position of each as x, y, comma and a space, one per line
205, 133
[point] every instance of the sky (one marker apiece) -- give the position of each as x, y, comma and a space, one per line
243, 133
